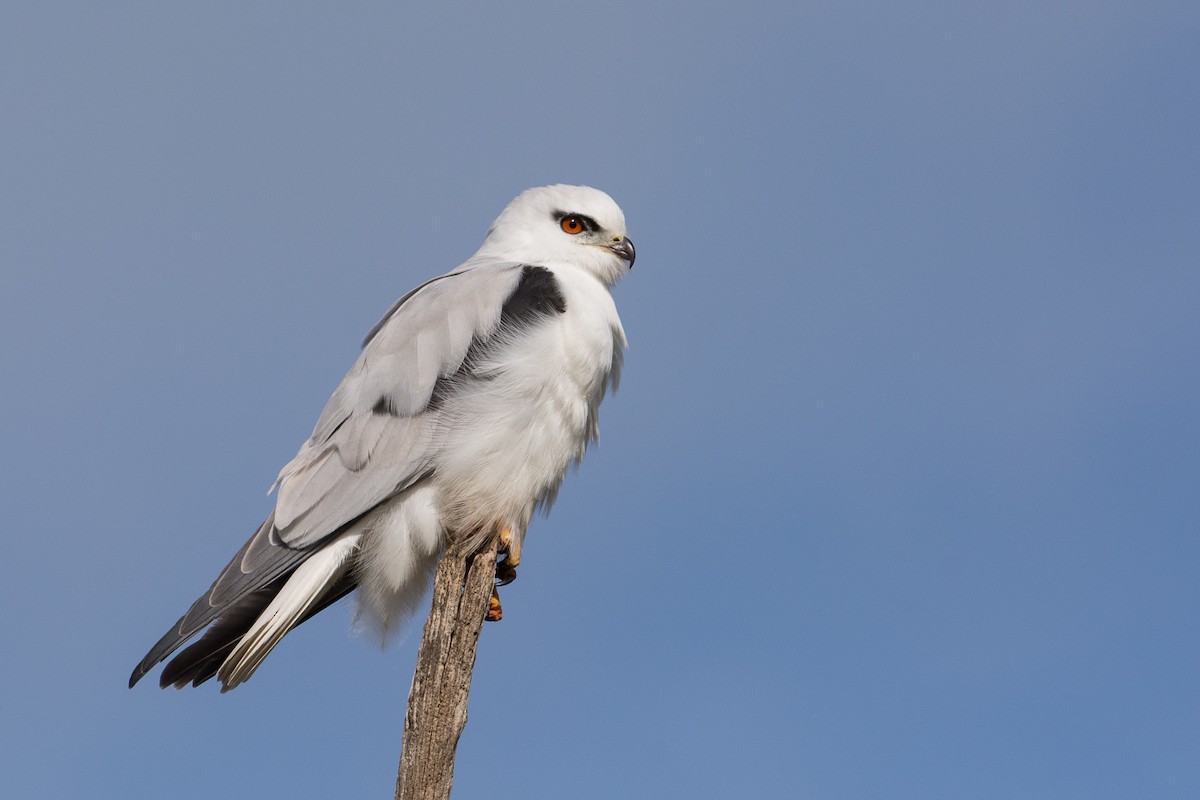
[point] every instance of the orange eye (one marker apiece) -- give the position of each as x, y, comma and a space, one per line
572, 224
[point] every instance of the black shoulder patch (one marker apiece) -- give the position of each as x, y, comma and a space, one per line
535, 298
537, 295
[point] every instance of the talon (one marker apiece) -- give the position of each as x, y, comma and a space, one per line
510, 549
509, 552
505, 573
494, 612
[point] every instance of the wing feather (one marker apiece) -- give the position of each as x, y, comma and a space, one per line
256, 565
379, 421
374, 438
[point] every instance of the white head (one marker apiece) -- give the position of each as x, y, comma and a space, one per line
575, 226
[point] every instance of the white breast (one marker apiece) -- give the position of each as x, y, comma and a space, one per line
502, 447
510, 438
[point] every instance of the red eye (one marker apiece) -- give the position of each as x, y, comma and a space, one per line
572, 224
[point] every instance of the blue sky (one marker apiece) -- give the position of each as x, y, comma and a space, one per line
898, 498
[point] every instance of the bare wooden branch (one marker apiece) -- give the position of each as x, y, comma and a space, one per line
437, 703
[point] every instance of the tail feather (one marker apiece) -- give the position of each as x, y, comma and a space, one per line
256, 566
291, 605
269, 588
198, 662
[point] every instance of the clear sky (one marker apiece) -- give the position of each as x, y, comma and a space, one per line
899, 498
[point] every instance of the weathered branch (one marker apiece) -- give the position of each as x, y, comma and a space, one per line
437, 703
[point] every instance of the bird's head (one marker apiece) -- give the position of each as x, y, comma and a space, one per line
575, 226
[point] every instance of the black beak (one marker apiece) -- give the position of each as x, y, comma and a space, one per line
625, 250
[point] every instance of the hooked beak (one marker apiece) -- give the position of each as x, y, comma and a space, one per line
625, 250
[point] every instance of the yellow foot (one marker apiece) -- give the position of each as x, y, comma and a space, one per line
494, 612
510, 549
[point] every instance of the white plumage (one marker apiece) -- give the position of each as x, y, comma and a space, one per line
470, 399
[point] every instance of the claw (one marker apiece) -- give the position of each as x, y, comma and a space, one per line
510, 549
505, 573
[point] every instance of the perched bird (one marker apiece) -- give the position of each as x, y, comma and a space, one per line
470, 399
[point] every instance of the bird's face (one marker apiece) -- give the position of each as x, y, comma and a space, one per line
564, 225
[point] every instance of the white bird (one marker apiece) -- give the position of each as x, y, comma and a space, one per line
469, 401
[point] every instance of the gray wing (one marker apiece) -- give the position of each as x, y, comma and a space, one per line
375, 438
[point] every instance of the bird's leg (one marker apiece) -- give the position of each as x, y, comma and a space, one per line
506, 571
